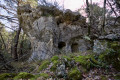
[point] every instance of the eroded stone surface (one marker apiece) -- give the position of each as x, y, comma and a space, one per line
52, 31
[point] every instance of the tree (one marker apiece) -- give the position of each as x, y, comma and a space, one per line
89, 16
12, 8
115, 8
97, 10
104, 12
2, 41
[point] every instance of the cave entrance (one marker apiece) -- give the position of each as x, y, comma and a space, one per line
74, 47
61, 45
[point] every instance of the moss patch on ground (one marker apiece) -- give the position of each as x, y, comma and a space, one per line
83, 61
54, 58
23, 75
43, 65
44, 75
54, 67
67, 57
75, 74
6, 76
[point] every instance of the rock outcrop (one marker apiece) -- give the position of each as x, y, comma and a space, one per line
52, 31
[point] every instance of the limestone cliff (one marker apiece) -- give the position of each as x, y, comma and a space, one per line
52, 31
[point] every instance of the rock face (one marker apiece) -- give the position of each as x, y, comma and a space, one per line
52, 31
99, 46
48, 36
43, 36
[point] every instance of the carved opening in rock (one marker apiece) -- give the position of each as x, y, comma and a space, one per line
74, 47
61, 45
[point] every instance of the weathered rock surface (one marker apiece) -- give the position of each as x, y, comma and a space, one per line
52, 31
49, 36
99, 46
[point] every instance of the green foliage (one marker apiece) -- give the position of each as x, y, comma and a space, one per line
54, 58
23, 75
87, 38
90, 61
75, 74
3, 35
25, 46
67, 57
114, 45
44, 65
112, 55
97, 10
6, 76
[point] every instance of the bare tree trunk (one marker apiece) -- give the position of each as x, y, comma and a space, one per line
21, 46
14, 48
104, 12
89, 16
16, 38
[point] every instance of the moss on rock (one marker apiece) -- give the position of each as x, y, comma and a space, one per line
54, 58
5, 76
54, 67
44, 65
83, 60
23, 75
67, 57
44, 75
75, 74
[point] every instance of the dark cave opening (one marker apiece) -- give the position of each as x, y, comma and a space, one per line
61, 45
74, 47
